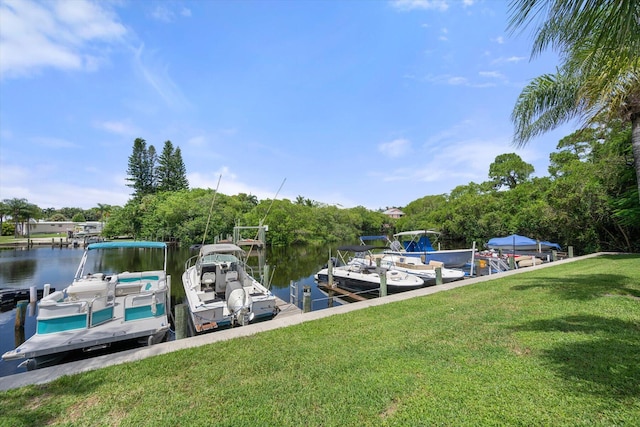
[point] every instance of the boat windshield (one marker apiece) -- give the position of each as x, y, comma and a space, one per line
218, 259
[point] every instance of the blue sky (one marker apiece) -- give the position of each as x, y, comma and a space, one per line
355, 102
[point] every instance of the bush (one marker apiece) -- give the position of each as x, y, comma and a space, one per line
7, 228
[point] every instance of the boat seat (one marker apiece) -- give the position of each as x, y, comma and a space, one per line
232, 276
52, 309
208, 278
52, 298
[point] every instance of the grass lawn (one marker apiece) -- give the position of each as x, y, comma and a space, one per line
553, 347
11, 239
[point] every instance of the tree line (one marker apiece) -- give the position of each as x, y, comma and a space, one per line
589, 200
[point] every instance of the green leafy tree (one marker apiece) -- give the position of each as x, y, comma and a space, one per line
4, 211
509, 170
21, 212
79, 217
599, 77
57, 217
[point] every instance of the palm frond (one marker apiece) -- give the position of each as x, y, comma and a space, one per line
547, 102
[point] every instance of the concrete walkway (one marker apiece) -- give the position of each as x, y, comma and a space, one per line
45, 375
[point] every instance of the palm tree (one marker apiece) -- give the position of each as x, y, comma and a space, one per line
599, 78
21, 212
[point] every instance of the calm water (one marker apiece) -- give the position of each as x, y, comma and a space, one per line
35, 267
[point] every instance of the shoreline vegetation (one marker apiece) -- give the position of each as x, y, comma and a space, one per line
554, 346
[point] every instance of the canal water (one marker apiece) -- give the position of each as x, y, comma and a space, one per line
23, 268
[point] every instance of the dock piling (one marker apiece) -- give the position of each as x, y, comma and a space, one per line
21, 313
438, 275
181, 321
383, 282
306, 298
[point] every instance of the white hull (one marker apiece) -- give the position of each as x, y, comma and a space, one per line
220, 291
99, 310
412, 265
361, 278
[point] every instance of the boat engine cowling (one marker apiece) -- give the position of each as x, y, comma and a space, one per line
238, 302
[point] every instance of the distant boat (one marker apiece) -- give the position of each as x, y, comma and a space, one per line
416, 243
221, 291
516, 242
100, 309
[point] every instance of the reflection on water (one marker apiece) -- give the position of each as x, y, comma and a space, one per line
57, 266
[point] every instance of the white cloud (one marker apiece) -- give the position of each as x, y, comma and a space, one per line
54, 142
197, 141
492, 74
157, 76
502, 60
164, 14
161, 13
64, 35
27, 183
118, 127
406, 5
499, 40
229, 183
395, 148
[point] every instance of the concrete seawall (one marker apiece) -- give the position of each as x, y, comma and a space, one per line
284, 319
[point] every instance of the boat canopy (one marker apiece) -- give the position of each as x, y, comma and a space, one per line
519, 242
220, 248
127, 244
365, 238
416, 233
358, 248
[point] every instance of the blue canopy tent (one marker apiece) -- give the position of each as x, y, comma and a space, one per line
520, 243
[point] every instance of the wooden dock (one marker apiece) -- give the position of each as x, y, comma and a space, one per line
286, 308
341, 292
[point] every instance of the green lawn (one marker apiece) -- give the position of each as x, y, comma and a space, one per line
553, 347
11, 239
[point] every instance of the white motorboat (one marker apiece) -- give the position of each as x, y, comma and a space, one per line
221, 291
359, 277
100, 309
417, 244
412, 265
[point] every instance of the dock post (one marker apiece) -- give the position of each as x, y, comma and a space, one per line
570, 255
46, 289
438, 275
512, 262
554, 255
265, 280
306, 298
33, 294
473, 259
181, 321
383, 282
21, 313
330, 273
